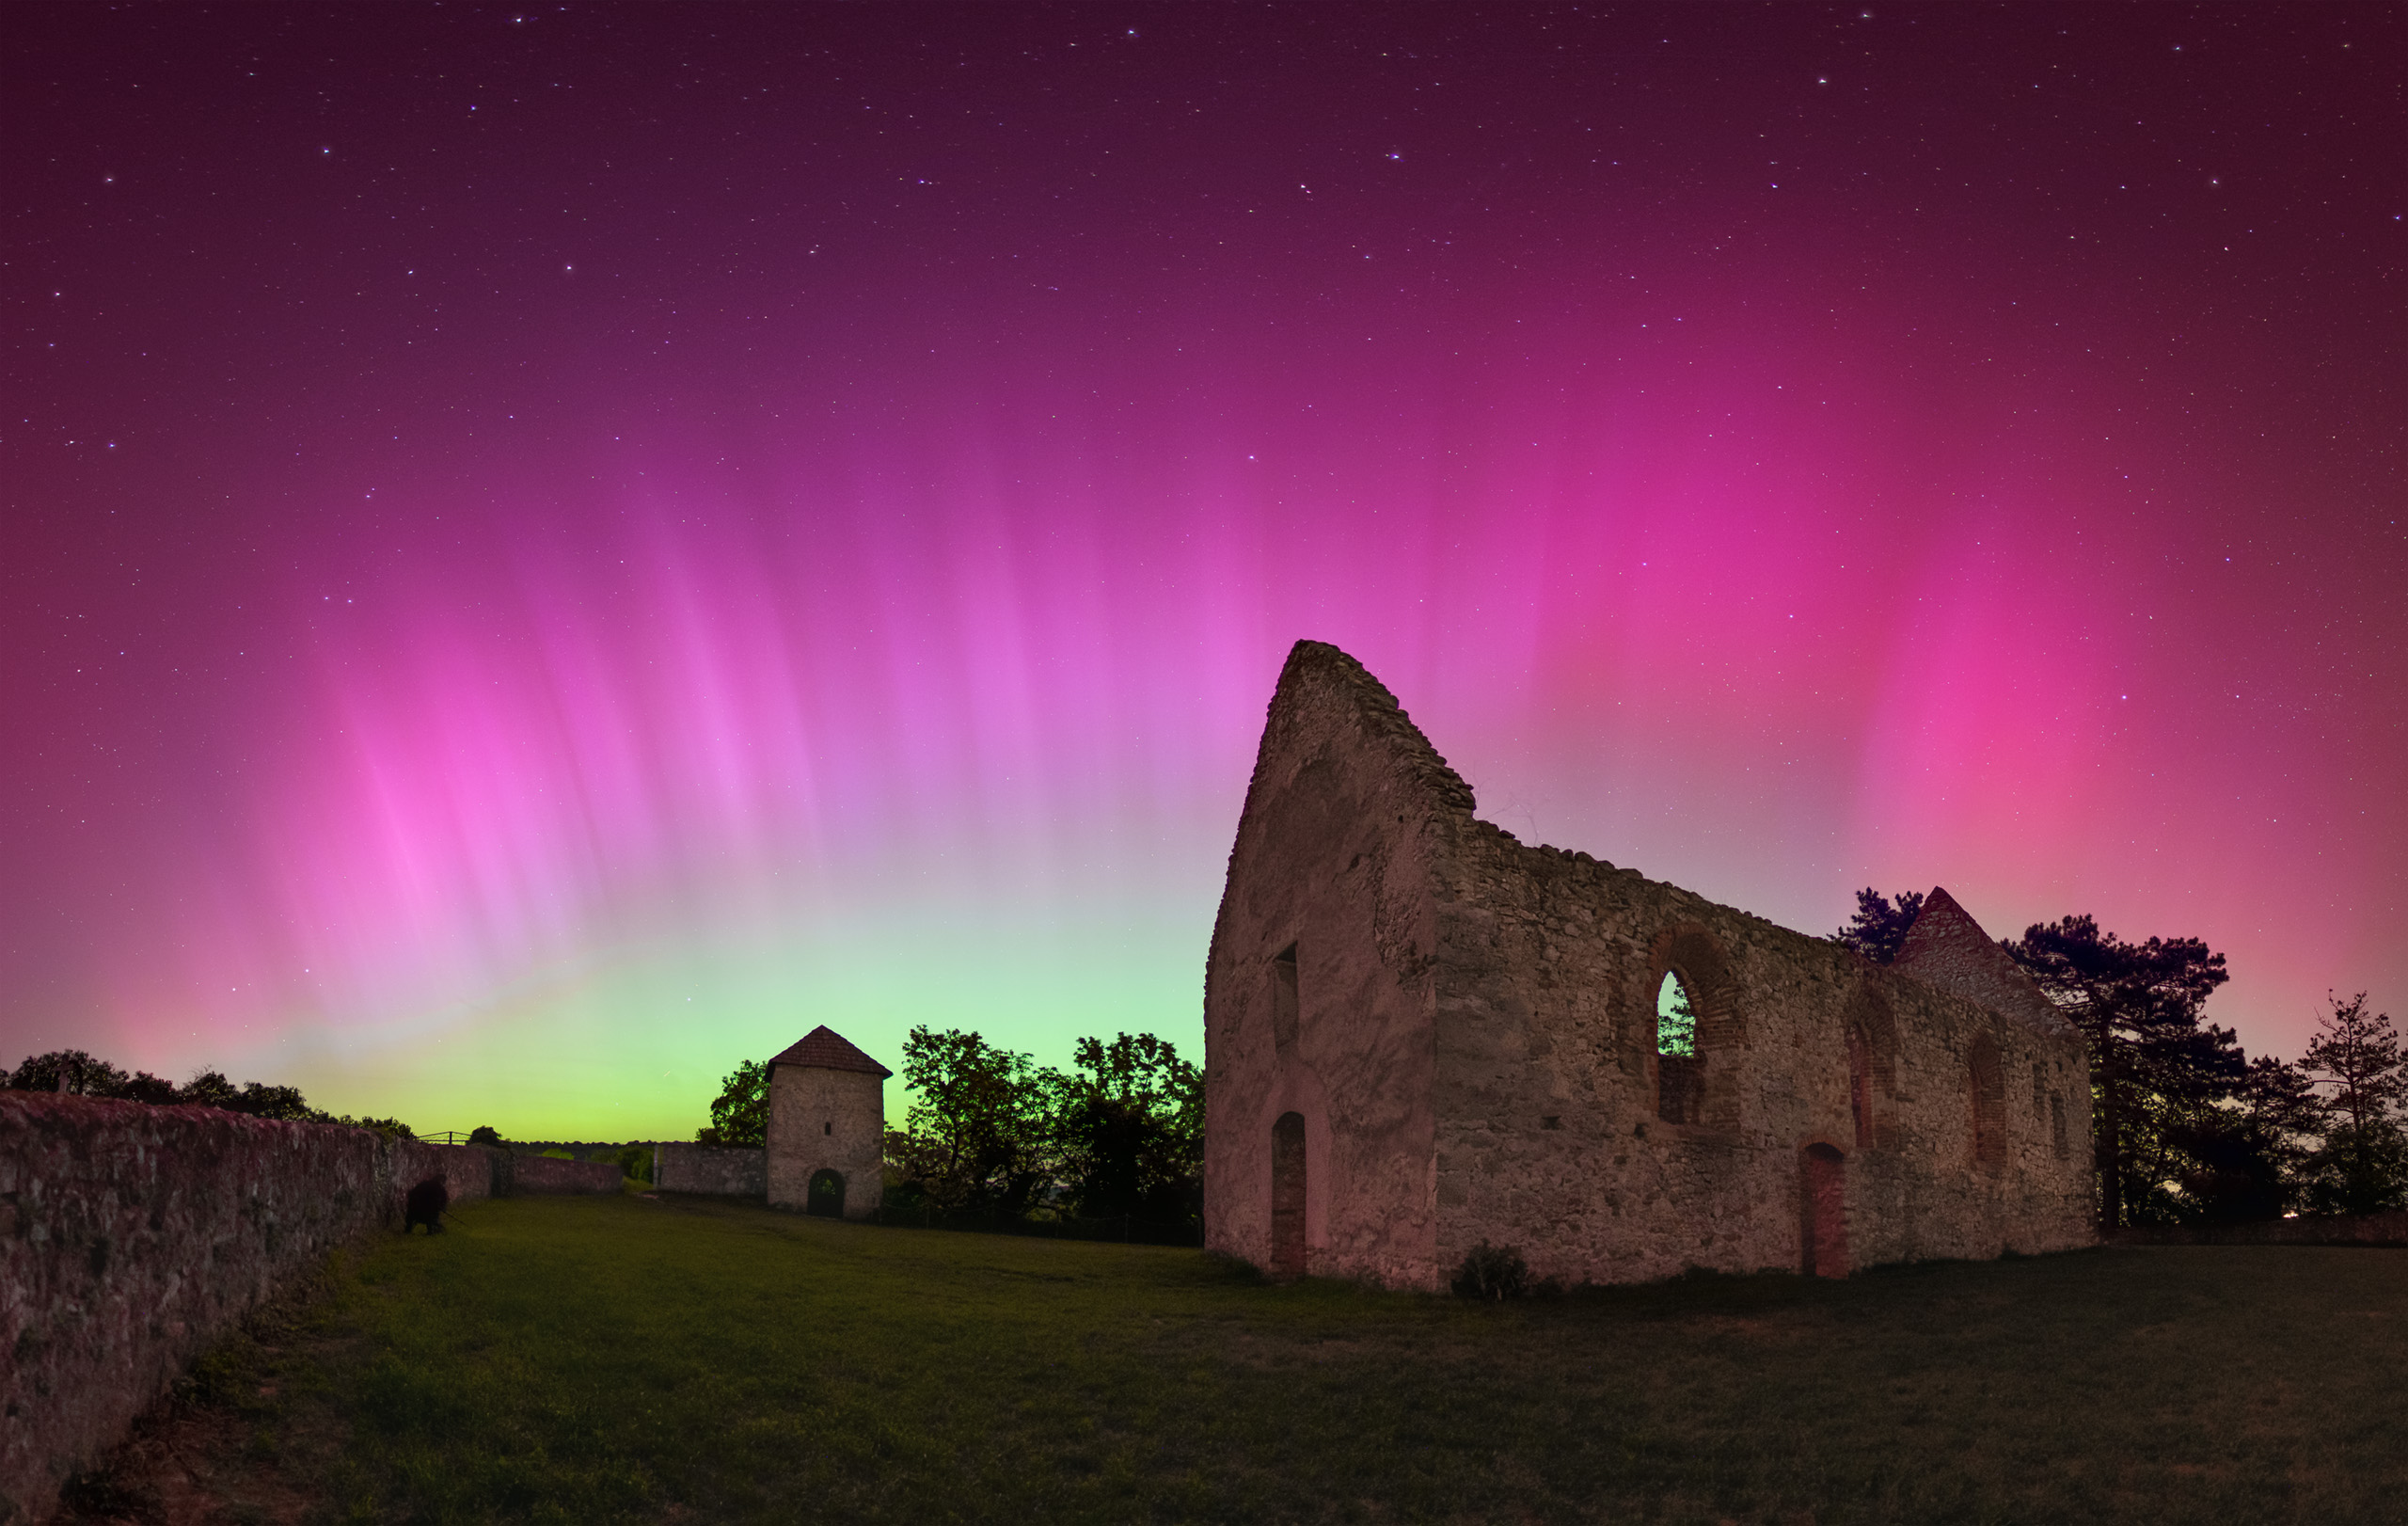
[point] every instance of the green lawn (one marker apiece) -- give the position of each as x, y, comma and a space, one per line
601, 1360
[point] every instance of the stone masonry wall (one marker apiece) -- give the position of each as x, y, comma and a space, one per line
131, 1237
726, 1174
1550, 1137
549, 1173
823, 1120
1331, 867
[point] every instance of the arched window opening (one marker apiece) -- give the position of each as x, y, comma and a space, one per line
1288, 1196
826, 1196
1859, 1085
1680, 1071
1675, 1018
1696, 1019
1990, 1103
1822, 1212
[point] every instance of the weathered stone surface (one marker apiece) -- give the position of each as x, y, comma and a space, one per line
1464, 1027
1947, 947
132, 1236
827, 1113
727, 1173
548, 1173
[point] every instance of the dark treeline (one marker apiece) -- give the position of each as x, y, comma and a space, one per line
2186, 1127
74, 1072
990, 1132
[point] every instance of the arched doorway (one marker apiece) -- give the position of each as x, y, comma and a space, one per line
1288, 1196
1823, 1212
826, 1196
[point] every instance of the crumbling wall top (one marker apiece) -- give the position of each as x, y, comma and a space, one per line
1312, 663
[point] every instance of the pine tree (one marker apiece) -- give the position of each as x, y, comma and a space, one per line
2364, 1165
2156, 1070
1879, 925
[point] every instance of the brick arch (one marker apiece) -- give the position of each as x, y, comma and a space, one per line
1822, 1208
1689, 951
1694, 954
1871, 1029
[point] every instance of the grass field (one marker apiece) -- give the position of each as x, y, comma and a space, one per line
616, 1360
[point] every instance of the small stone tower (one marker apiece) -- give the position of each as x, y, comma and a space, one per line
827, 1127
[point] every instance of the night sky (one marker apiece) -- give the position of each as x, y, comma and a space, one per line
546, 552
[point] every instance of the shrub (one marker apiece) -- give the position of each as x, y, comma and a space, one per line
1494, 1272
484, 1134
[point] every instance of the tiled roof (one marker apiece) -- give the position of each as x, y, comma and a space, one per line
824, 1048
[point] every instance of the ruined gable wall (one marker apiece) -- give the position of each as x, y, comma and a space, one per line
1347, 806
1546, 1131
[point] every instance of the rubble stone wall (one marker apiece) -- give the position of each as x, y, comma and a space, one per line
1551, 1137
549, 1173
131, 1237
724, 1173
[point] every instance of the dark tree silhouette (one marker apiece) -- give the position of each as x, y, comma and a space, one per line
2245, 1156
1879, 925
485, 1134
70, 1071
75, 1071
740, 1116
2156, 1070
2363, 1166
979, 1133
1129, 1129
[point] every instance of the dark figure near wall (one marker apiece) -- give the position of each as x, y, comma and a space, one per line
425, 1206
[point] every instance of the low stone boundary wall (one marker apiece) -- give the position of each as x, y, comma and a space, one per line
131, 1237
726, 1174
2389, 1229
548, 1173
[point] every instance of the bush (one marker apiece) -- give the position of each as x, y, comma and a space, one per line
485, 1134
1494, 1272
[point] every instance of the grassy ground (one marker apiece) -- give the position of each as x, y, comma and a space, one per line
606, 1360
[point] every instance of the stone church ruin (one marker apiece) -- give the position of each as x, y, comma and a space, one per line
1421, 1034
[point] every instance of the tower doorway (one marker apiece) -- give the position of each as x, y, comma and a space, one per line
826, 1196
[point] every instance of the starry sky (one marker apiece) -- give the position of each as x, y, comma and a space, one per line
546, 552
